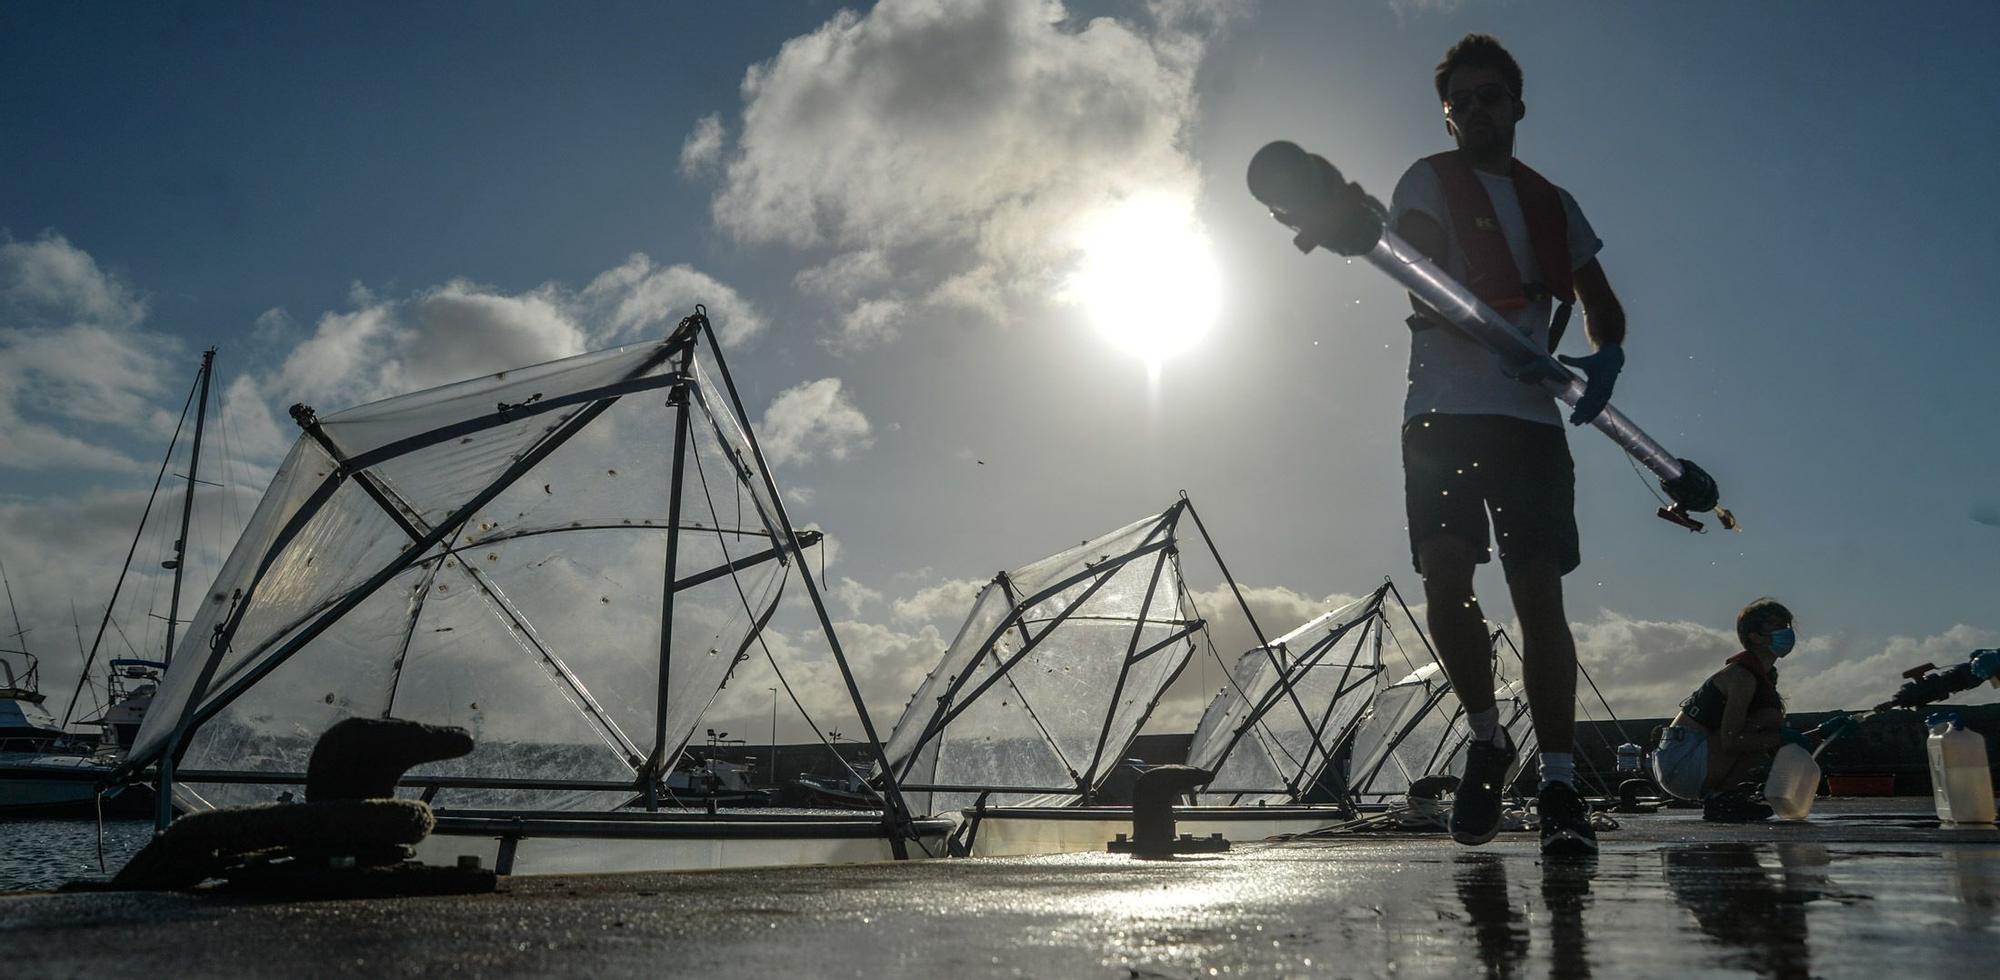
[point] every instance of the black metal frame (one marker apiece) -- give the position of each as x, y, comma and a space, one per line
1159, 539
1446, 748
955, 700
1323, 753
788, 548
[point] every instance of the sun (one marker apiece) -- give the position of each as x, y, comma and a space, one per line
1147, 278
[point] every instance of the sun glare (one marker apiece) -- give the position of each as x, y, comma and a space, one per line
1148, 279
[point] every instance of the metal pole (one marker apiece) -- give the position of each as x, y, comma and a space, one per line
187, 506
895, 815
1089, 777
126, 569
657, 763
774, 735
1418, 274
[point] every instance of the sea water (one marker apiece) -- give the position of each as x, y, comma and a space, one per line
37, 855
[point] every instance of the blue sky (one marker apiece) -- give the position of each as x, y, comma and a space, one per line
352, 199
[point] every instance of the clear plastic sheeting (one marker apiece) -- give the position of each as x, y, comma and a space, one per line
1273, 732
1395, 744
1415, 729
493, 555
1051, 676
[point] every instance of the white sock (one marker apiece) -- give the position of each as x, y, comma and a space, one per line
1485, 724
1558, 767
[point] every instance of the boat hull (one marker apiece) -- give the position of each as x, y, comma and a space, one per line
563, 843
56, 786
1017, 831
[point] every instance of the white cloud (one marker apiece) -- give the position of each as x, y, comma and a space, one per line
703, 147
640, 300
811, 420
1832, 675
1277, 610
50, 283
943, 604
274, 327
387, 346
854, 595
64, 551
445, 334
873, 322
964, 138
846, 274
76, 369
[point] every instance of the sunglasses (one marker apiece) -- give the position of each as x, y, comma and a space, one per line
1488, 95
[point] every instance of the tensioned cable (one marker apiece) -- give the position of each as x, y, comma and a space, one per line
137, 536
1265, 733
737, 585
97, 704
701, 475
742, 598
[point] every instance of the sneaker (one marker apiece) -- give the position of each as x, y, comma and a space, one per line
1475, 807
1738, 804
1565, 819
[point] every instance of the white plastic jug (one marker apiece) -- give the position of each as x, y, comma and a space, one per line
1792, 784
1961, 785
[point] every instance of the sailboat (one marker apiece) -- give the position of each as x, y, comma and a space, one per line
68, 772
567, 560
39, 762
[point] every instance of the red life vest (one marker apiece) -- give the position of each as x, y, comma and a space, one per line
1494, 276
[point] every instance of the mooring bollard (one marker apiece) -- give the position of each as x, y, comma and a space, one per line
1153, 835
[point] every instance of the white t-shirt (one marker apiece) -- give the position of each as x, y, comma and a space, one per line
1450, 373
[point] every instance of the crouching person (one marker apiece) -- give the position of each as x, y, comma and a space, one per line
1732, 723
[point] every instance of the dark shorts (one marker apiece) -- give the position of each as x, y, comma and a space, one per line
1455, 467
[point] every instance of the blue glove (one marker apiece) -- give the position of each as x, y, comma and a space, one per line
1837, 725
1792, 736
1600, 372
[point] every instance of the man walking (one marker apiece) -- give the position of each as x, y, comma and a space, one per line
1480, 435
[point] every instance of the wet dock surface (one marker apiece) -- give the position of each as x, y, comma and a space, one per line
1858, 891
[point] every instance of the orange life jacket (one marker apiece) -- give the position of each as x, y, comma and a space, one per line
1494, 276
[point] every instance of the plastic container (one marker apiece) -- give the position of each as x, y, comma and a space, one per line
1961, 785
1793, 782
1630, 757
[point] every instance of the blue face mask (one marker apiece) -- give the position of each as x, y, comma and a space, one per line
1782, 641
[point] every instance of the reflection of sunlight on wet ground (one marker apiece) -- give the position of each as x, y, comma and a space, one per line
1421, 906
1669, 897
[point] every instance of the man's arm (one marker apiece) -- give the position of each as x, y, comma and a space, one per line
1604, 317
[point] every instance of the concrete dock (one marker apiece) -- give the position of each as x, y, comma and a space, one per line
1867, 888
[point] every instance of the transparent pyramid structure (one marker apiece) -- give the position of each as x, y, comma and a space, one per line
1051, 676
1275, 729
494, 554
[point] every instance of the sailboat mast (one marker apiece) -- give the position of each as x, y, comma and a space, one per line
187, 505
20, 634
